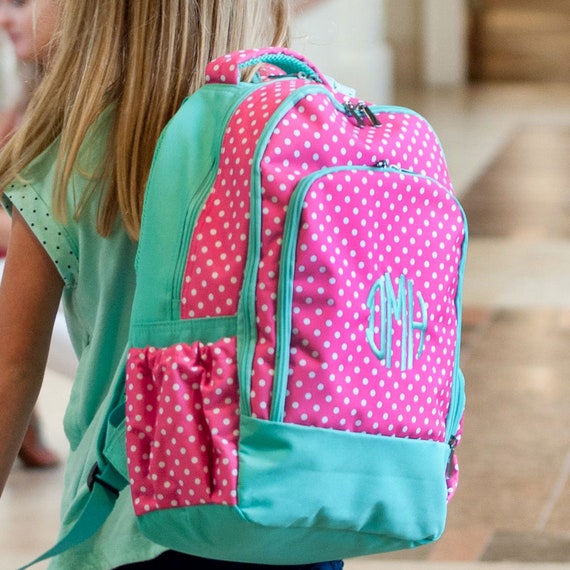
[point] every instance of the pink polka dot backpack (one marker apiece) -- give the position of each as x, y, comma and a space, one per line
293, 389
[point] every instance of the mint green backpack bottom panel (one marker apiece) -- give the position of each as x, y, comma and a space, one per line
308, 495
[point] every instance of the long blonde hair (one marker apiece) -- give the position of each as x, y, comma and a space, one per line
140, 57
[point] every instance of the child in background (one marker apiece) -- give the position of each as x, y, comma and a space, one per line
28, 26
73, 178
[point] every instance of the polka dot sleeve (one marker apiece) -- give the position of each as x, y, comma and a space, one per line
54, 236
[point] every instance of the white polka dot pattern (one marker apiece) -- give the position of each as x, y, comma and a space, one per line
213, 276
356, 241
369, 245
366, 226
314, 136
182, 425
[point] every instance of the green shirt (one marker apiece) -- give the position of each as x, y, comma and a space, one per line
99, 282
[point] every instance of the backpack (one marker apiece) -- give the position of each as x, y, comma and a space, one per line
293, 389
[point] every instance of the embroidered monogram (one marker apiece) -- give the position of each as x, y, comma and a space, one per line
396, 307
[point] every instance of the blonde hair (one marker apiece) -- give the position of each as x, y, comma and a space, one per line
140, 57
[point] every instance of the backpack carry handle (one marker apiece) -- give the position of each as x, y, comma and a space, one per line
227, 68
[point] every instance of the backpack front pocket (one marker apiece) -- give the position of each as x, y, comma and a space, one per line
367, 318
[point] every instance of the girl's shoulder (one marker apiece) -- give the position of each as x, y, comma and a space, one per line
43, 168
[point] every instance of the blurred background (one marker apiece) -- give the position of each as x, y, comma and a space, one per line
493, 78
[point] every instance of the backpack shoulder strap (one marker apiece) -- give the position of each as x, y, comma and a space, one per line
106, 479
105, 485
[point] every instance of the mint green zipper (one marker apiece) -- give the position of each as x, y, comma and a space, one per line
194, 208
246, 326
285, 290
199, 198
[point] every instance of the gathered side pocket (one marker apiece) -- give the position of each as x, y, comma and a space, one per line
183, 425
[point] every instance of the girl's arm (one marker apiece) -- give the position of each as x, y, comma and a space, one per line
29, 298
5, 225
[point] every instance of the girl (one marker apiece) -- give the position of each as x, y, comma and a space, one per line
73, 178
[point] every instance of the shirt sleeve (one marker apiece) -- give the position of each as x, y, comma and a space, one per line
32, 195
34, 202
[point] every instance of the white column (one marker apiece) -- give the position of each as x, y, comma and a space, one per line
10, 85
445, 42
346, 39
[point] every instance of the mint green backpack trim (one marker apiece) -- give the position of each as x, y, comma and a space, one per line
286, 471
193, 170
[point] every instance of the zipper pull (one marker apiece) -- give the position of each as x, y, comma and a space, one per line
385, 163
364, 108
450, 463
298, 75
353, 111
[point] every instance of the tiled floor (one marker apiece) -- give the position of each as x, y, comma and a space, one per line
508, 150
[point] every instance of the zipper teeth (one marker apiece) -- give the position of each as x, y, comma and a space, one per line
246, 321
194, 209
285, 294
456, 407
458, 386
200, 196
405, 172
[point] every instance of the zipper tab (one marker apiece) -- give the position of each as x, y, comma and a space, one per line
385, 163
450, 463
298, 75
360, 112
364, 108
352, 110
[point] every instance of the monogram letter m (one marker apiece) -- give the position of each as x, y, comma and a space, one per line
395, 307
